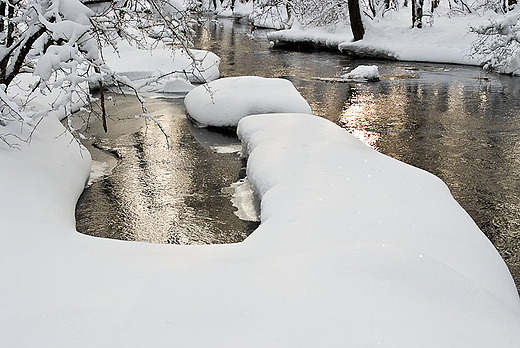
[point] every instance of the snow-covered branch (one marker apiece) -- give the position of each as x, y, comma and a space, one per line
54, 48
498, 44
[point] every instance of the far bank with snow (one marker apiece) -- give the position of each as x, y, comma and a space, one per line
448, 40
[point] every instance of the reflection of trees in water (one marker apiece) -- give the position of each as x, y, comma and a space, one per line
164, 196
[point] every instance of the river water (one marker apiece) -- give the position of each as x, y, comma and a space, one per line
456, 122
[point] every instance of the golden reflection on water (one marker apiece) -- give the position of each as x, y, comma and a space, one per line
158, 195
357, 114
151, 191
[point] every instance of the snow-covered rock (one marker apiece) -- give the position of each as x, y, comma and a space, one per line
363, 73
224, 102
178, 85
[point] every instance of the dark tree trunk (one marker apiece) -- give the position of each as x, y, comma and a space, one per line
417, 13
435, 4
356, 23
103, 109
508, 4
10, 25
2, 14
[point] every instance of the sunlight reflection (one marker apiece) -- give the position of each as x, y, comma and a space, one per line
158, 195
357, 116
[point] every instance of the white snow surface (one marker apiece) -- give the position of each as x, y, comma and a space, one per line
363, 73
354, 248
447, 40
225, 101
144, 66
24, 92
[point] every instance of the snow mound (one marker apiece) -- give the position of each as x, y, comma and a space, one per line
320, 185
222, 103
363, 73
145, 66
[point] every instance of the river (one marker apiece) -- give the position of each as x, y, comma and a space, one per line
456, 122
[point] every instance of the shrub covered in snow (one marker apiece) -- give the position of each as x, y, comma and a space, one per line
59, 42
498, 43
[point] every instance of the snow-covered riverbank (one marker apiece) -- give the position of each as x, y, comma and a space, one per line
448, 40
354, 247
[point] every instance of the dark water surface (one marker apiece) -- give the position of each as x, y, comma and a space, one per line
456, 122
158, 195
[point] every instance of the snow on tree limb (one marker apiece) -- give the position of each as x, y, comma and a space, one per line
498, 43
59, 42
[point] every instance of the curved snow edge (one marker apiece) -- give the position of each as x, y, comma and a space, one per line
306, 169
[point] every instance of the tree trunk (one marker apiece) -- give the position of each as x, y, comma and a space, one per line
2, 15
356, 23
417, 13
435, 4
10, 25
103, 109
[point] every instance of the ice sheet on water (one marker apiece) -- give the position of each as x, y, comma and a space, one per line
244, 199
98, 171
